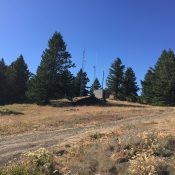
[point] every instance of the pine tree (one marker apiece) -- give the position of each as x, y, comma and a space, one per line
67, 85
18, 76
3, 82
95, 86
80, 84
164, 84
55, 62
115, 79
37, 91
130, 87
147, 87
159, 84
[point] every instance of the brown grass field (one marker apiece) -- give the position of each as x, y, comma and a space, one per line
40, 118
117, 138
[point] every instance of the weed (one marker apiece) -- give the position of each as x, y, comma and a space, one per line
42, 159
40, 162
96, 136
146, 163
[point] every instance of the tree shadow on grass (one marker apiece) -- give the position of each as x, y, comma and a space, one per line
92, 101
107, 104
9, 112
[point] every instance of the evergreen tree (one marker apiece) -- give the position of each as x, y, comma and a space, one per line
80, 84
115, 79
37, 91
159, 84
18, 76
130, 87
164, 84
55, 62
95, 86
147, 87
67, 84
3, 82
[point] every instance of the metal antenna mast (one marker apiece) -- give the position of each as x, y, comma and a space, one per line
103, 79
83, 63
95, 68
83, 60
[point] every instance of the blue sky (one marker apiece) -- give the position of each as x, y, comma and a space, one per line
135, 30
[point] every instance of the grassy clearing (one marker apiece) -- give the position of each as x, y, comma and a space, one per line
134, 148
32, 118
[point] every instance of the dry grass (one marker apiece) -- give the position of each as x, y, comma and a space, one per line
142, 146
40, 118
118, 153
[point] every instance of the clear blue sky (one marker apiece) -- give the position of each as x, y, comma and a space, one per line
135, 30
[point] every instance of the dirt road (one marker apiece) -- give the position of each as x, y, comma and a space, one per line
12, 147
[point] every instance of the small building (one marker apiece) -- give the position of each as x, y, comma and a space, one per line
100, 94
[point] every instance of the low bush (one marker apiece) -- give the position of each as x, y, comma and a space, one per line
146, 163
40, 162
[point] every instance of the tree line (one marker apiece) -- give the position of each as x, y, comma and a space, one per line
13, 81
54, 80
122, 83
158, 86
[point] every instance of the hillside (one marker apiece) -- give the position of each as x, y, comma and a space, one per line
117, 138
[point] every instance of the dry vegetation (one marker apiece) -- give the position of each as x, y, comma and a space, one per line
15, 119
142, 143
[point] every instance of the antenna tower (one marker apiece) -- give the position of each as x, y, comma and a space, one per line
83, 64
95, 69
103, 79
83, 60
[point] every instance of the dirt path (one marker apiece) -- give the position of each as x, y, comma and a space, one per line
13, 146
